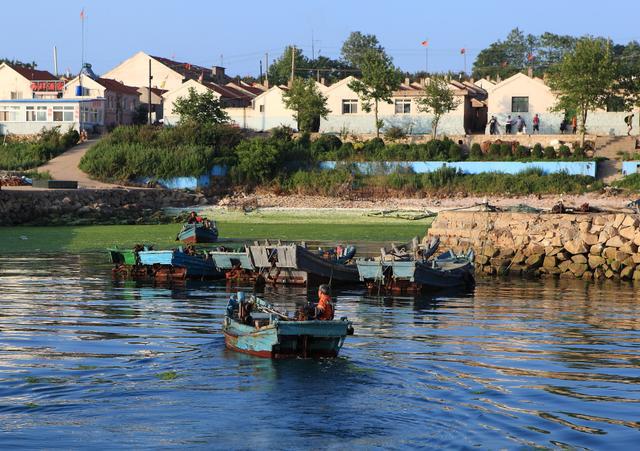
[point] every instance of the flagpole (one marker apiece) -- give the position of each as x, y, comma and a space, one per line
426, 59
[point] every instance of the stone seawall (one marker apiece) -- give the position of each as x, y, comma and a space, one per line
587, 246
83, 207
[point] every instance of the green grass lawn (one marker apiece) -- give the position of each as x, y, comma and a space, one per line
335, 226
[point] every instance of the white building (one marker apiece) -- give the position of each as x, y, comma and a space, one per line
525, 96
18, 82
31, 116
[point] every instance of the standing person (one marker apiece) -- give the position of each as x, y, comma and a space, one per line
519, 124
574, 124
563, 125
629, 121
324, 309
536, 123
507, 125
493, 126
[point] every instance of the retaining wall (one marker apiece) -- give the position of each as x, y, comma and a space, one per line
588, 246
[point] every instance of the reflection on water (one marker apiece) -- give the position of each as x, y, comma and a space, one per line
87, 361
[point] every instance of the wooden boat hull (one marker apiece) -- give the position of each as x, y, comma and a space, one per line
293, 264
409, 275
179, 264
287, 339
196, 233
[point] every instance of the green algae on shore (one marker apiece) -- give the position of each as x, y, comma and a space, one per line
308, 225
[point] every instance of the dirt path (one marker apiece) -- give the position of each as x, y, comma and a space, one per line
65, 167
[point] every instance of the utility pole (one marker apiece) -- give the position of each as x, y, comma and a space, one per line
260, 71
313, 47
293, 62
266, 78
149, 97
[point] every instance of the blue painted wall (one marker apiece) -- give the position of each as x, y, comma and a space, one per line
473, 167
630, 167
191, 183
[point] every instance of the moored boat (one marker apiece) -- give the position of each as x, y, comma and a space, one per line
415, 271
265, 332
201, 232
178, 264
296, 265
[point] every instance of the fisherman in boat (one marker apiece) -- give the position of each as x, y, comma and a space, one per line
194, 218
324, 308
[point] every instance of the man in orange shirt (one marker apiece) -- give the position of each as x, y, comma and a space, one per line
324, 309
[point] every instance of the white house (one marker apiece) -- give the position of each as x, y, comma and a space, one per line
525, 96
19, 82
122, 101
231, 97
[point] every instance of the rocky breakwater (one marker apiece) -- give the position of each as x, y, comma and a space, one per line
85, 207
588, 246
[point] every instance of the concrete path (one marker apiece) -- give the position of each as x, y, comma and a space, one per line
65, 167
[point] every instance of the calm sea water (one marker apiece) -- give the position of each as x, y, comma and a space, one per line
88, 362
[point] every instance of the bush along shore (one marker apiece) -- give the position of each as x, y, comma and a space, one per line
585, 246
20, 155
287, 165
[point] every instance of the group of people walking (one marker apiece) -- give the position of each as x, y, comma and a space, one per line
519, 124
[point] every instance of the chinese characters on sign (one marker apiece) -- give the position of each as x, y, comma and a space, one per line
49, 86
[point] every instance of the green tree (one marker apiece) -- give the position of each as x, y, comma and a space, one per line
308, 103
380, 78
200, 108
628, 83
438, 99
584, 79
280, 69
356, 46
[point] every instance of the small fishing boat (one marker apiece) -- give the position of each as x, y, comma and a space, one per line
178, 264
237, 265
416, 270
127, 257
296, 265
255, 327
201, 232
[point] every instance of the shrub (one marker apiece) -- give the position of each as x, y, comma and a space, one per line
394, 133
494, 151
327, 143
522, 152
579, 153
282, 133
505, 151
257, 161
564, 152
549, 153
537, 152
455, 152
476, 152
630, 182
373, 144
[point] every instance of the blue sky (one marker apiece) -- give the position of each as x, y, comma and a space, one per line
201, 31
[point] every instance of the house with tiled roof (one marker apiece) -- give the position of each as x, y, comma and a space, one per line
20, 82
121, 101
229, 95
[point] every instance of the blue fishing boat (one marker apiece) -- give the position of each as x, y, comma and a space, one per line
293, 264
176, 264
201, 232
416, 270
265, 332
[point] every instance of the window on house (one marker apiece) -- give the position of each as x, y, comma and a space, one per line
261, 108
9, 113
15, 95
349, 106
36, 114
403, 106
519, 104
63, 114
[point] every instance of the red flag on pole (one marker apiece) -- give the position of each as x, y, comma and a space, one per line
530, 57
425, 43
82, 14
463, 51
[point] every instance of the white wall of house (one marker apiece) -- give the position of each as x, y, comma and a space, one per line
170, 117
267, 111
13, 85
135, 72
541, 101
31, 116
